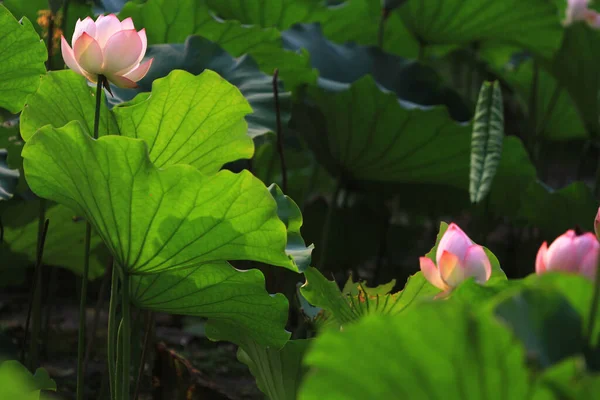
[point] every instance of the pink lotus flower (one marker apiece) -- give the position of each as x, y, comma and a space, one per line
457, 259
577, 10
107, 47
571, 253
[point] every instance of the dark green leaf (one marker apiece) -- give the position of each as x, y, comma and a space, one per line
486, 141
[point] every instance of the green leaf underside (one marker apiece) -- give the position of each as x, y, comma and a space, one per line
365, 134
534, 25
188, 119
291, 216
153, 219
77, 103
235, 302
486, 141
22, 57
278, 372
473, 358
64, 245
169, 21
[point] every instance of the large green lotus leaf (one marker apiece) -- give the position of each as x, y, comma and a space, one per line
199, 54
77, 103
340, 65
153, 219
344, 307
235, 302
365, 134
557, 116
547, 325
16, 382
278, 372
172, 21
291, 216
435, 351
188, 119
8, 177
570, 206
64, 245
534, 25
22, 57
575, 66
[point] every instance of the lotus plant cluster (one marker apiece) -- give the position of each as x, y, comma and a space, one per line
458, 258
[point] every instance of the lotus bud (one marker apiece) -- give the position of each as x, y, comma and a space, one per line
569, 253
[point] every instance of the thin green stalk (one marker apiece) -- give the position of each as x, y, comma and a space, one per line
112, 331
119, 366
126, 346
323, 262
86, 266
594, 307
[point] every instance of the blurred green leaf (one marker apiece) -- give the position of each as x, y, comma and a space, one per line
188, 119
235, 302
152, 219
392, 356
16, 382
22, 57
278, 372
567, 380
486, 140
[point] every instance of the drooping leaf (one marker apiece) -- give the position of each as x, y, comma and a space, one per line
365, 134
22, 57
278, 372
8, 177
188, 119
392, 356
534, 25
235, 302
152, 219
172, 21
486, 141
16, 382
64, 245
290, 215
198, 54
77, 103
547, 325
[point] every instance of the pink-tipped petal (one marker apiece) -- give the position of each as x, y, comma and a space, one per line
451, 272
454, 241
86, 26
121, 81
584, 244
106, 28
127, 24
140, 71
122, 52
68, 56
540, 259
562, 253
431, 273
477, 264
589, 265
144, 40
88, 54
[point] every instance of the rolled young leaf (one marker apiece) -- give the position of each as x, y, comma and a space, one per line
486, 141
151, 219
